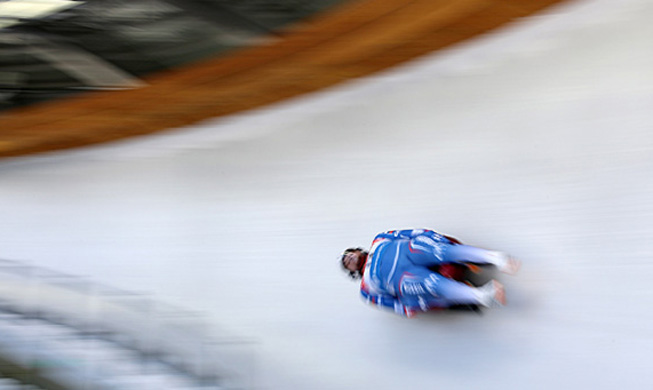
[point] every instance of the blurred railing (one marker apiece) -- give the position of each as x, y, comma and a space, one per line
63, 332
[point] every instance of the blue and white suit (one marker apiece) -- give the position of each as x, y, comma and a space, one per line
397, 275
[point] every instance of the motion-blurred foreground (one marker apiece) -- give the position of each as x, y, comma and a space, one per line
63, 332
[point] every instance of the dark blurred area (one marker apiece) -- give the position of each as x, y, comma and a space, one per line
50, 49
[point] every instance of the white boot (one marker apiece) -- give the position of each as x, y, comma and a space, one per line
506, 263
491, 294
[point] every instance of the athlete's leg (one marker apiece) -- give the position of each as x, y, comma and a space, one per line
457, 293
427, 290
466, 253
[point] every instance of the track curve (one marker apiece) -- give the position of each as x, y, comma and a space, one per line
354, 40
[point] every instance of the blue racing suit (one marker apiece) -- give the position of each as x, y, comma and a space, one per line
397, 275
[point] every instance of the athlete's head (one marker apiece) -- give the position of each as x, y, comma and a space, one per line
353, 261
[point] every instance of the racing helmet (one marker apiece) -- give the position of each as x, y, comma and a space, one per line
357, 274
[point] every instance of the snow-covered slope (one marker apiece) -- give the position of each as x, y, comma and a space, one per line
535, 140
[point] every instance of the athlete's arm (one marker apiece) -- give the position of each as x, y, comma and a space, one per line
389, 302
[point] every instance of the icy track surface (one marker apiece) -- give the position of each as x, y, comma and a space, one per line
535, 140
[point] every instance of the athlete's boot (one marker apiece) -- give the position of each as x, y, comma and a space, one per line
505, 263
491, 294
